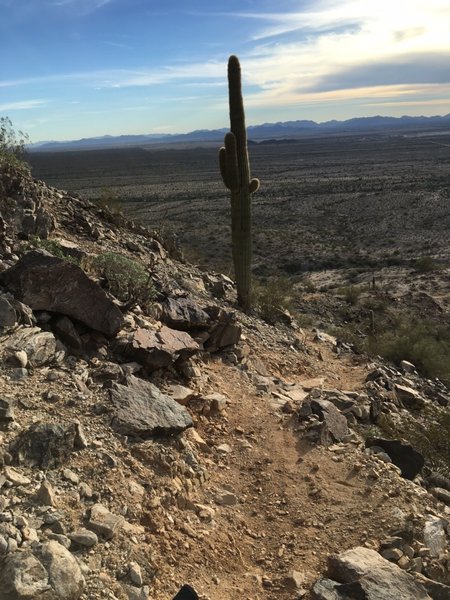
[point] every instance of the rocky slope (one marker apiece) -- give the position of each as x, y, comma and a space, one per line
144, 446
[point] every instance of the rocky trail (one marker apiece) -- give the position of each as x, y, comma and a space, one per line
145, 445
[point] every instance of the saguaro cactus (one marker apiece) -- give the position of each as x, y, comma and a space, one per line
235, 171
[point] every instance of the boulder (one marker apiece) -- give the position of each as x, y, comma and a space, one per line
184, 314
48, 573
45, 282
333, 425
224, 333
47, 445
434, 535
158, 348
143, 411
408, 460
409, 397
64, 574
362, 574
40, 346
8, 316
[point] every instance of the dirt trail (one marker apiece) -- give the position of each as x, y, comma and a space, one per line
295, 502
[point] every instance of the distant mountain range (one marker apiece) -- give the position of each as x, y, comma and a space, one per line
257, 133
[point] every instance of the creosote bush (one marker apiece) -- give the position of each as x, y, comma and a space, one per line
271, 297
125, 278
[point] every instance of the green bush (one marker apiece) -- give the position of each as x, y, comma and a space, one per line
426, 264
125, 278
271, 297
52, 246
12, 147
425, 344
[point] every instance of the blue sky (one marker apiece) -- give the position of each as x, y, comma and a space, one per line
82, 68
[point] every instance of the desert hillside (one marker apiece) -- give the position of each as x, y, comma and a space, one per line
152, 435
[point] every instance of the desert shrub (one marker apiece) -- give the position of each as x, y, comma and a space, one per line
52, 246
425, 344
351, 294
271, 297
108, 200
126, 279
426, 264
12, 147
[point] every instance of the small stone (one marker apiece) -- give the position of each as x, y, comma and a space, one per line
392, 554
46, 495
71, 476
14, 477
84, 537
227, 499
135, 574
21, 358
104, 522
224, 449
85, 490
294, 580
404, 562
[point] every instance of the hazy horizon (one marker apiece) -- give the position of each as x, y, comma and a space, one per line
89, 68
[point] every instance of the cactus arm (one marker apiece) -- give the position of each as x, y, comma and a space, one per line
254, 185
229, 163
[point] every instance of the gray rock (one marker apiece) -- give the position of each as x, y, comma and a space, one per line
365, 575
64, 574
47, 445
104, 522
333, 423
40, 346
8, 316
224, 333
47, 283
156, 349
435, 589
65, 330
441, 494
23, 577
84, 537
434, 535
6, 410
409, 396
142, 410
184, 314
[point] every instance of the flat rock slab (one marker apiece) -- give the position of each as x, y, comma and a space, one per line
159, 348
184, 314
142, 410
362, 574
334, 424
409, 396
103, 522
45, 282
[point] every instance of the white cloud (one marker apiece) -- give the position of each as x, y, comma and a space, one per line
22, 105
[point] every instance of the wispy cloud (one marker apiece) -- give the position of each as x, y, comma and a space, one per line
23, 105
82, 7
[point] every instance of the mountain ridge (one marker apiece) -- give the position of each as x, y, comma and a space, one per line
293, 129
